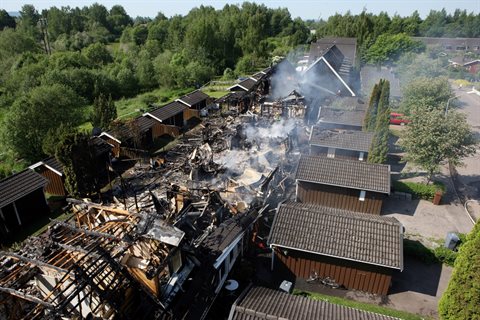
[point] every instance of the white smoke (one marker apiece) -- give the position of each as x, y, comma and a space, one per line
279, 129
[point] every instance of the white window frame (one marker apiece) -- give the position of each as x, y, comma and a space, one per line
363, 193
361, 156
331, 153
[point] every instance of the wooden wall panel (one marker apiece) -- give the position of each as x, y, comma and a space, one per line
190, 113
350, 274
160, 129
341, 198
55, 184
115, 144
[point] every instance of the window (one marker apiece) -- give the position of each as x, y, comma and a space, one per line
360, 157
362, 195
331, 153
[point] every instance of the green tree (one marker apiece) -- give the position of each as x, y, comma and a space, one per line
461, 300
98, 54
426, 92
31, 116
432, 139
388, 48
76, 152
379, 150
104, 112
54, 136
371, 113
6, 21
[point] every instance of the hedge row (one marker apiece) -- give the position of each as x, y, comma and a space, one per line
419, 190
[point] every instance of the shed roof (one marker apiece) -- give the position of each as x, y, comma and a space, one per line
193, 98
338, 233
247, 85
342, 139
348, 47
50, 163
19, 185
262, 303
344, 173
342, 116
167, 111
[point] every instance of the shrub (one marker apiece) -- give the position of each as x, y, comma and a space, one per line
445, 255
419, 190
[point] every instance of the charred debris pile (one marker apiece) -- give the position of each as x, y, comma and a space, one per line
161, 248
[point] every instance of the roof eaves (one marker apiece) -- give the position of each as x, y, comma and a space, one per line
185, 103
334, 256
110, 136
343, 186
152, 116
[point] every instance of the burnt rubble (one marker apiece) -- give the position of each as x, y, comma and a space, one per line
147, 254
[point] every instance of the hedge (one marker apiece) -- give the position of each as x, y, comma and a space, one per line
461, 300
419, 190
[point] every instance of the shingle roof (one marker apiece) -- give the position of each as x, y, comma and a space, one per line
262, 303
339, 116
246, 84
54, 163
348, 47
193, 97
342, 139
344, 173
168, 110
19, 185
339, 233
100, 146
143, 123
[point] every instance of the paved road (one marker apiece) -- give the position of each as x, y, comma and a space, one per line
469, 174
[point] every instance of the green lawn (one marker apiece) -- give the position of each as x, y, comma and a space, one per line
131, 107
215, 94
360, 305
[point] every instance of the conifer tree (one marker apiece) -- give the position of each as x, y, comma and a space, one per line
379, 149
104, 112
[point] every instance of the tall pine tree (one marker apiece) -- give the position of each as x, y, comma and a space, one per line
104, 112
371, 113
379, 149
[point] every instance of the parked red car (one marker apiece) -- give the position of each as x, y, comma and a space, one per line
398, 118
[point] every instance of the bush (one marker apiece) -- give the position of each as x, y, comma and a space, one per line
445, 255
419, 190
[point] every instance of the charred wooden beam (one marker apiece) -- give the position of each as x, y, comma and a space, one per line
32, 261
27, 297
91, 233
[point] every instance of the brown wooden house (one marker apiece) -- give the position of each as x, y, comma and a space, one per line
340, 144
257, 303
169, 119
51, 169
195, 101
358, 251
22, 201
344, 184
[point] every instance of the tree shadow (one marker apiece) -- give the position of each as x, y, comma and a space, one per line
399, 206
421, 271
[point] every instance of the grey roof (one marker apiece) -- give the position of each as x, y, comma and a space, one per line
342, 116
143, 123
194, 97
54, 163
348, 47
247, 84
320, 72
19, 185
345, 173
262, 303
469, 43
354, 236
342, 139
168, 110
346, 103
